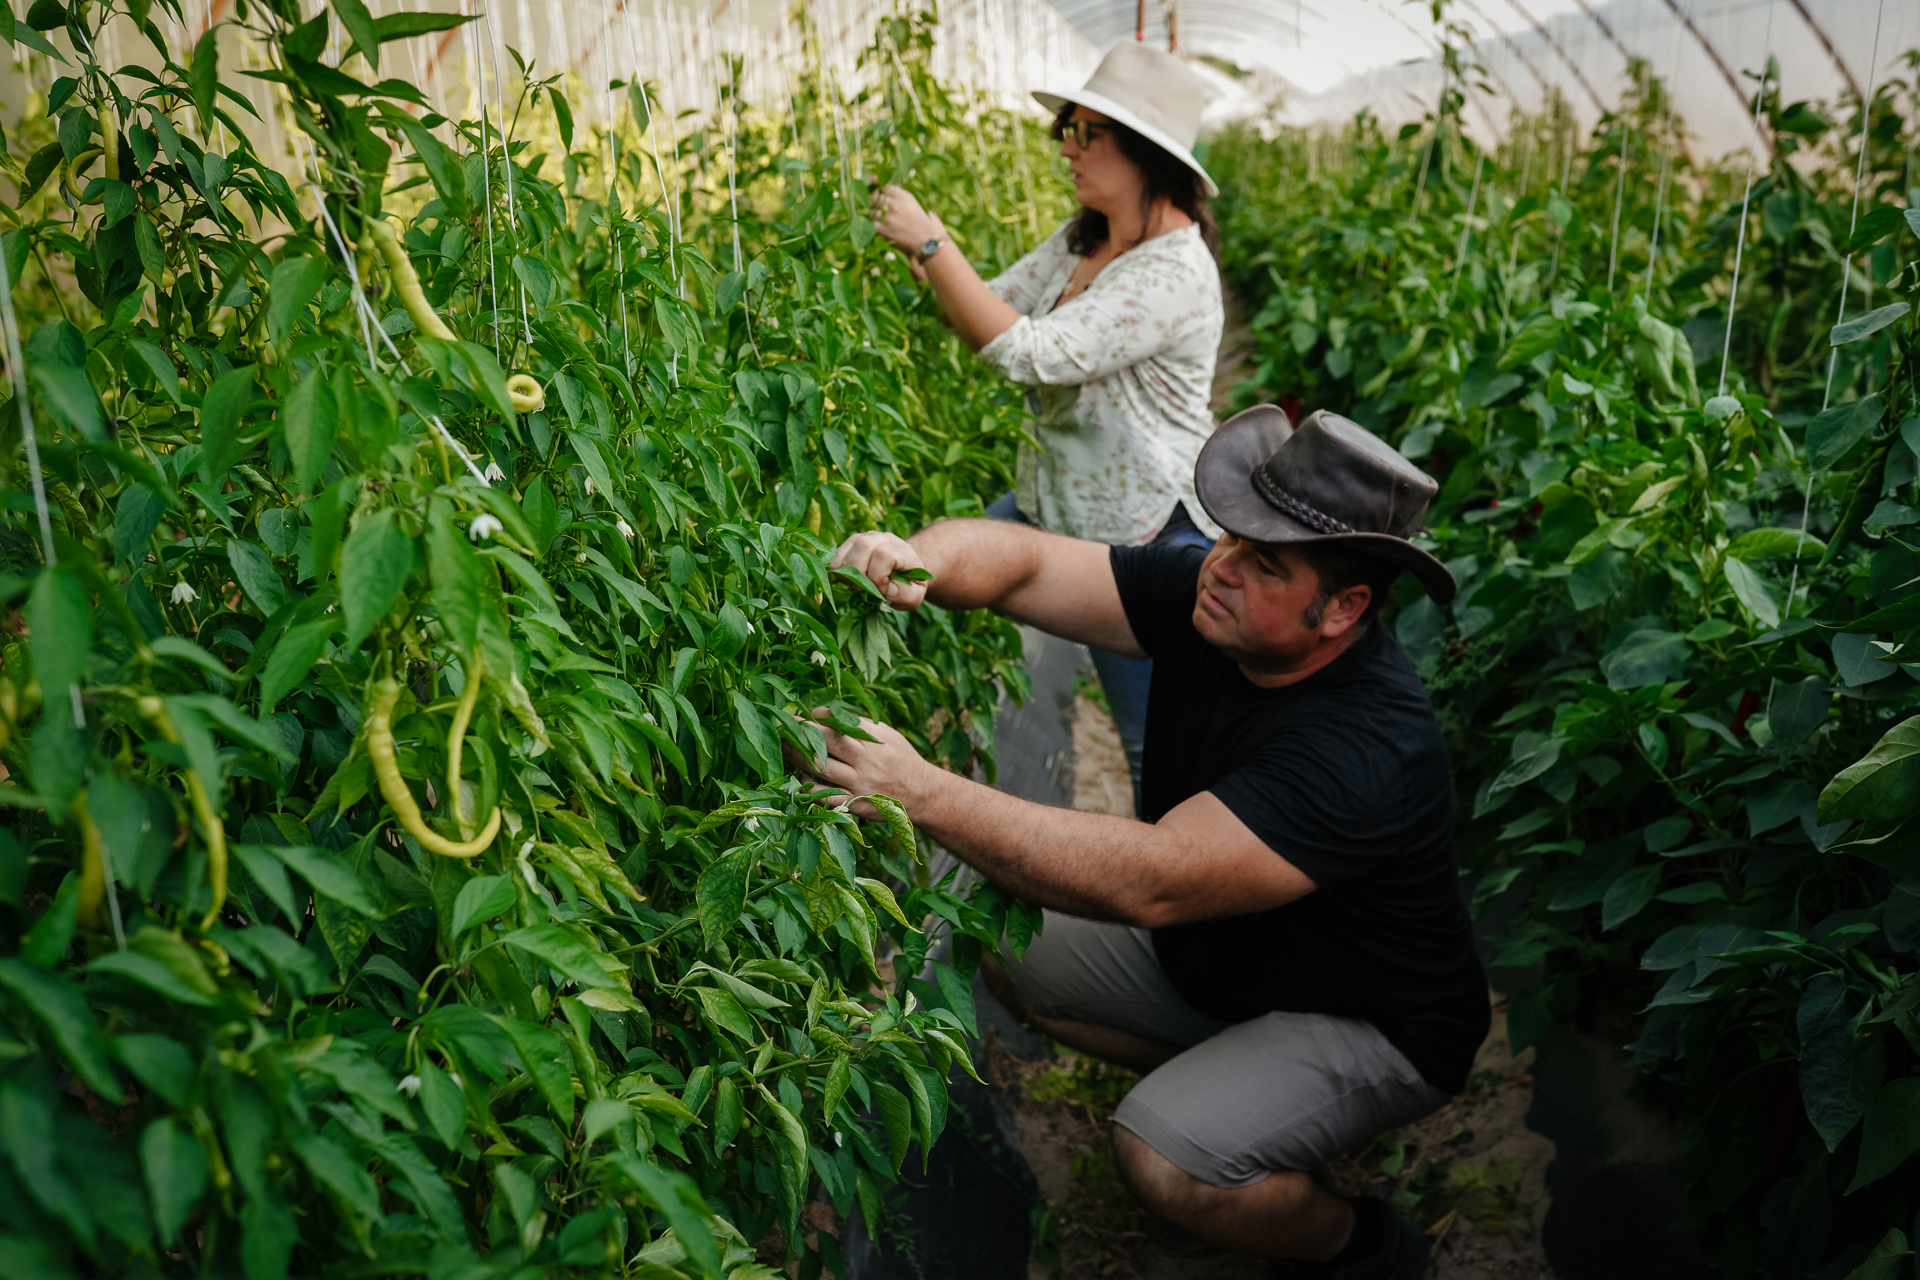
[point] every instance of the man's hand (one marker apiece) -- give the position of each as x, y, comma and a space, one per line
889, 767
880, 556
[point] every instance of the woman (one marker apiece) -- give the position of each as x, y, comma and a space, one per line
1113, 324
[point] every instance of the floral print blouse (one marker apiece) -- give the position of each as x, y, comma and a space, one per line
1119, 383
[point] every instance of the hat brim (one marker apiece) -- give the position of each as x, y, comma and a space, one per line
1222, 481
1114, 111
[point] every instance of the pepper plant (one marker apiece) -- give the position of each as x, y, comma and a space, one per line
414, 548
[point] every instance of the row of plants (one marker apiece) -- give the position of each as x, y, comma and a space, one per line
1678, 680
413, 553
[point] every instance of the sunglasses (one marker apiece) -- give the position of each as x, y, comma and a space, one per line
1082, 132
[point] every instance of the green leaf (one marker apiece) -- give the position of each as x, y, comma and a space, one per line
70, 394
254, 571
724, 1011
271, 875
679, 1202
135, 517
459, 579
176, 1169
1867, 325
203, 77
443, 167
896, 818
535, 278
1887, 1261
1645, 658
882, 895
896, 1116
562, 117
149, 973
480, 900
1833, 433
373, 569
311, 420
160, 366
27, 1135
60, 1009
721, 895
327, 515
1627, 896
1759, 544
226, 400
366, 38
292, 285
560, 951
335, 1170
158, 1063
293, 657
544, 1056
444, 1104
1838, 1073
1535, 338
489, 383
399, 26
675, 325
1883, 785
60, 623
1753, 591
1890, 1133
330, 876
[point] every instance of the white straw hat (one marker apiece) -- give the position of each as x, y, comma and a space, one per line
1150, 91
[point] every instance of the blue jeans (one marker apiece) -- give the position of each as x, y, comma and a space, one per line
1125, 680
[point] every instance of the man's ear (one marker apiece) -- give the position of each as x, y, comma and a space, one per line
1345, 610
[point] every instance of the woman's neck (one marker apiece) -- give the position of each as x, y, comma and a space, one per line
1126, 228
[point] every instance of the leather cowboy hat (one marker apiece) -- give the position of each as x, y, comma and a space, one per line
1150, 91
1328, 480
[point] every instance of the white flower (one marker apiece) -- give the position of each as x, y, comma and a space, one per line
773, 322
183, 592
892, 256
484, 526
590, 486
626, 530
818, 658
409, 1086
332, 608
581, 558
493, 473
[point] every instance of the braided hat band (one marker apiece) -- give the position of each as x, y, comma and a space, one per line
1286, 504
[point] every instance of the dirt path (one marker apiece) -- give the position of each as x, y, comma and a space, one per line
1472, 1174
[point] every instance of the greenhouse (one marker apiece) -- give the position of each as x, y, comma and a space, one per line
1217, 638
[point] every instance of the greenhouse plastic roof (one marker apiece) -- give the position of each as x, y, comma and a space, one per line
1329, 58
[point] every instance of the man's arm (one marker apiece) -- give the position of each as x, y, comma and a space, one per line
1064, 586
1196, 863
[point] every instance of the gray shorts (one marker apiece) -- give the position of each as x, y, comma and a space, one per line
1285, 1091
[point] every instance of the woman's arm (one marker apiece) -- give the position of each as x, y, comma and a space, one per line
978, 314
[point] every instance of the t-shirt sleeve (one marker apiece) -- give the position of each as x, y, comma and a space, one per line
1156, 589
1331, 799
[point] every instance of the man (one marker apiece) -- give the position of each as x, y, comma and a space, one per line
1280, 946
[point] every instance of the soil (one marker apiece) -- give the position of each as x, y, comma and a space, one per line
1472, 1174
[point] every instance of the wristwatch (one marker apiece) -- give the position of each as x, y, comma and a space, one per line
931, 247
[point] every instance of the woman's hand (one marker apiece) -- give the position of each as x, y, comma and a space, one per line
900, 220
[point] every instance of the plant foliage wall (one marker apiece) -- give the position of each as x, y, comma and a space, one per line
414, 561
1680, 676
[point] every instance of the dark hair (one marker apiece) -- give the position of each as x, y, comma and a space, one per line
1340, 566
1166, 177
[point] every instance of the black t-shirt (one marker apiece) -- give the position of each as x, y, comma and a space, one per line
1345, 776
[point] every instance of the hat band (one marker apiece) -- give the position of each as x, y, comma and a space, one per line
1286, 504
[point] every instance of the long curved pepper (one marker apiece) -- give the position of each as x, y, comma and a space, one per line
386, 768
